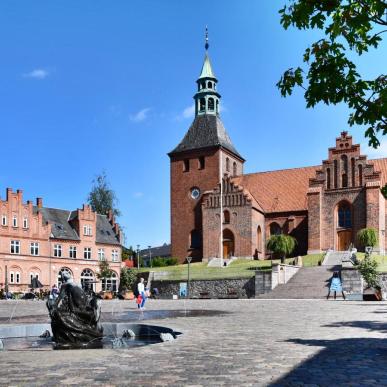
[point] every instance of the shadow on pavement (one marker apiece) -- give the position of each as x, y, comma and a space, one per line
342, 362
368, 325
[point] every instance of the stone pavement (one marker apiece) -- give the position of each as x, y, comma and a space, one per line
260, 343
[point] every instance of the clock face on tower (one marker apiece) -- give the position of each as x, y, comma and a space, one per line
195, 193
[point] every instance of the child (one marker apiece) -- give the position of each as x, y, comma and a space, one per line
139, 301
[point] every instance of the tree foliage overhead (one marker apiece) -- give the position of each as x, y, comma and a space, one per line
101, 197
330, 76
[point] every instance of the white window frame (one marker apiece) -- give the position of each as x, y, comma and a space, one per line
25, 222
101, 254
73, 252
115, 256
34, 248
15, 246
3, 220
14, 221
57, 251
87, 253
87, 230
34, 275
11, 277
18, 277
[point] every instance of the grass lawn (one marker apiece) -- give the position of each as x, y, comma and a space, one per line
381, 259
241, 268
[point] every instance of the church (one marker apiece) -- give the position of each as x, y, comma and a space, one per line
218, 211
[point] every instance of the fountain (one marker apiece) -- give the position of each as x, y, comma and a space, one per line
75, 317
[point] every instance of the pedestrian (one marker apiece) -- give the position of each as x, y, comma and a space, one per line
141, 292
335, 286
54, 292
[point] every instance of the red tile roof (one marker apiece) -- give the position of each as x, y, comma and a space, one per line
286, 189
279, 191
381, 165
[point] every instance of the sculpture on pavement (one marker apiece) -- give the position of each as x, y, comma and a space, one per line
75, 317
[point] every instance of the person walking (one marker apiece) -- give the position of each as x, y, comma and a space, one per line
141, 292
335, 286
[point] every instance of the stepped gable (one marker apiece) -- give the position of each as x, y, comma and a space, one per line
279, 191
206, 131
233, 195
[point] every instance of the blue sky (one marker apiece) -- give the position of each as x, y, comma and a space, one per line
100, 85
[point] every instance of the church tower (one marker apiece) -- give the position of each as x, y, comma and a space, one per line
196, 165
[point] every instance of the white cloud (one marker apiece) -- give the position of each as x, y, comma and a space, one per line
140, 116
188, 112
373, 153
138, 195
37, 74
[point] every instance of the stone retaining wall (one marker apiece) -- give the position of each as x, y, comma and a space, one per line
225, 288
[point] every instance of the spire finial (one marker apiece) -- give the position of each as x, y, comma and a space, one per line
206, 45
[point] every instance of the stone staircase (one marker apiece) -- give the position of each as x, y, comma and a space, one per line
307, 283
334, 258
218, 262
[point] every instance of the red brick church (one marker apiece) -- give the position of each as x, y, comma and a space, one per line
322, 206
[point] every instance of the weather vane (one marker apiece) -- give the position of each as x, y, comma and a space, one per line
207, 45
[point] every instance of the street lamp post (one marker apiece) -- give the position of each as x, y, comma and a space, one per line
138, 257
189, 259
150, 256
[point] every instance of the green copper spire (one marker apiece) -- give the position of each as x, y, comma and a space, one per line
207, 98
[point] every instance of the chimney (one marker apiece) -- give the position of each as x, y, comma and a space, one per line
9, 193
39, 202
20, 195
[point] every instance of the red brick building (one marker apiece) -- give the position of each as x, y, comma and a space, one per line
321, 206
37, 241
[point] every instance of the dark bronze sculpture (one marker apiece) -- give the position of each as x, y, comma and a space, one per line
75, 317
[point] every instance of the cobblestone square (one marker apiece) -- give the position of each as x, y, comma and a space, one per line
252, 343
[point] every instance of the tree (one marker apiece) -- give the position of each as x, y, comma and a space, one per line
282, 245
367, 237
350, 27
384, 191
102, 198
128, 278
367, 268
104, 271
127, 253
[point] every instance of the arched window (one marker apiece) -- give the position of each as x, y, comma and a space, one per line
202, 106
110, 284
328, 178
227, 164
234, 168
360, 167
344, 215
275, 229
335, 173
353, 171
211, 104
209, 85
203, 85
63, 270
344, 171
195, 240
259, 239
87, 279
226, 216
